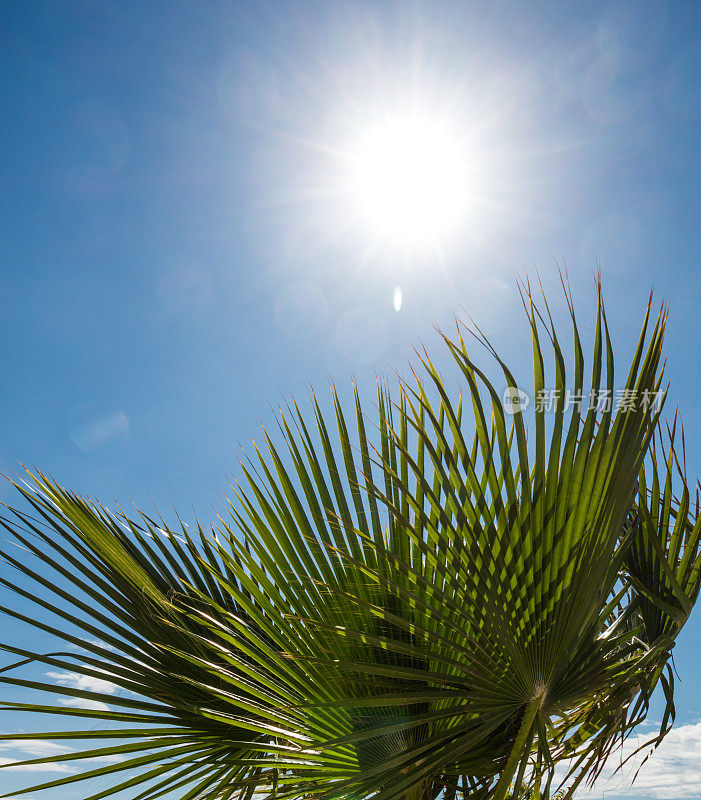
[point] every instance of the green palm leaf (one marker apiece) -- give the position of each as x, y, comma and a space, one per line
438, 601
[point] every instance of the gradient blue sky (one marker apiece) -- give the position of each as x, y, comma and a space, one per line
177, 253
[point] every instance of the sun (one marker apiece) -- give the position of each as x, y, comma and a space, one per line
407, 180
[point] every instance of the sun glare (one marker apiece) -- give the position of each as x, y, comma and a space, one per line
407, 181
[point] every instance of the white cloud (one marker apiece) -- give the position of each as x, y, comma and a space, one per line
8, 764
85, 683
82, 702
95, 642
26, 749
35, 747
672, 772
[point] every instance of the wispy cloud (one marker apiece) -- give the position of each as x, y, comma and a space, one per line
35, 747
83, 702
18, 750
672, 772
24, 749
9, 764
85, 683
96, 642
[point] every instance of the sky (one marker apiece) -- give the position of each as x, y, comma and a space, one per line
188, 235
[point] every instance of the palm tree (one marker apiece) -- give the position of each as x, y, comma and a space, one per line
439, 603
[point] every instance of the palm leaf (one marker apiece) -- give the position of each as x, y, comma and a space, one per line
436, 601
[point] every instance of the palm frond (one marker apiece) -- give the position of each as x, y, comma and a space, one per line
445, 599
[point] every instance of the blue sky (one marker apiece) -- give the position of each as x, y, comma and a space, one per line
178, 250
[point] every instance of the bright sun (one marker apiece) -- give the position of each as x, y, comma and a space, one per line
407, 181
